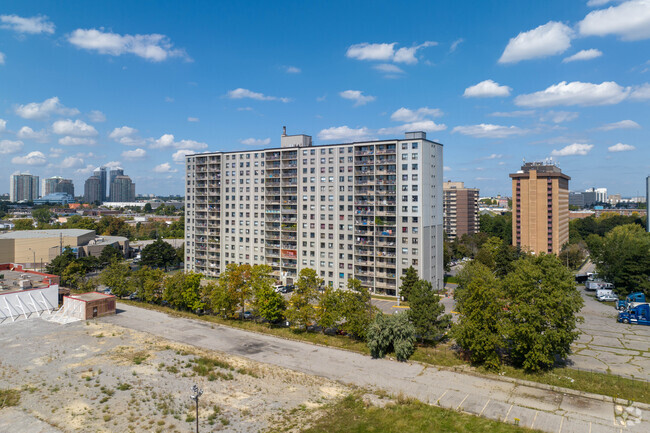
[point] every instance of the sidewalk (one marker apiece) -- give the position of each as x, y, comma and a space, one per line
505, 401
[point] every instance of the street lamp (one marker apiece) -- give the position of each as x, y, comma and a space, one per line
195, 396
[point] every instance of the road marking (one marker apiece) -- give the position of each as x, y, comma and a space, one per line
561, 422
443, 394
504, 419
461, 403
532, 426
488, 402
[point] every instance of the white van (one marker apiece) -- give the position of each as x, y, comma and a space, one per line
606, 295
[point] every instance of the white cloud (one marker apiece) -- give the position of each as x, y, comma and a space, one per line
595, 3
72, 162
455, 44
546, 40
97, 116
292, 70
32, 158
486, 130
406, 115
179, 156
167, 141
164, 168
32, 25
446, 168
127, 136
492, 156
43, 110
8, 146
583, 55
343, 133
76, 141
487, 89
357, 96
240, 93
153, 47
134, 154
2, 58
389, 70
256, 141
629, 20
55, 152
574, 149
386, 52
575, 93
623, 124
559, 116
517, 113
641, 93
192, 119
3, 125
27, 133
77, 128
86, 170
113, 164
620, 147
421, 125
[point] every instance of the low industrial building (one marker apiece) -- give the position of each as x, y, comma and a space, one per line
89, 305
25, 294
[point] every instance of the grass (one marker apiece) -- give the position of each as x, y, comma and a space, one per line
9, 397
451, 279
442, 355
404, 416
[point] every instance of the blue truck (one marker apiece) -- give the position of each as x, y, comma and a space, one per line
637, 297
639, 315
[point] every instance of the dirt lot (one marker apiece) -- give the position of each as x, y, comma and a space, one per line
97, 377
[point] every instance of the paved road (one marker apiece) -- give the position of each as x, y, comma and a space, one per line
501, 400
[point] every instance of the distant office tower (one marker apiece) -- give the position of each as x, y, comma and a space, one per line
57, 184
112, 175
365, 210
122, 189
599, 194
66, 186
100, 173
23, 187
540, 208
460, 209
93, 190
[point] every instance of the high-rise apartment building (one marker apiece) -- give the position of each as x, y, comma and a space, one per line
460, 209
65, 186
112, 175
100, 173
92, 190
122, 189
57, 184
365, 210
540, 208
23, 187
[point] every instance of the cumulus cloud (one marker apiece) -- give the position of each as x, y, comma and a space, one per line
75, 128
256, 141
416, 120
76, 141
575, 93
620, 147
407, 115
596, 3
2, 58
421, 125
546, 40
487, 89
8, 146
641, 93
164, 168
55, 152
27, 133
167, 141
389, 69
583, 55
179, 156
88, 169
487, 130
72, 162
3, 125
575, 149
153, 47
32, 158
241, 93
623, 124
113, 164
134, 154
292, 70
446, 168
516, 113
386, 52
127, 136
630, 21
559, 116
357, 96
32, 25
97, 116
43, 110
343, 133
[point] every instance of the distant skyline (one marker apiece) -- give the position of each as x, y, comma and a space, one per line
140, 84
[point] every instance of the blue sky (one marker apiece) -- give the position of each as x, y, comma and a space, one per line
139, 84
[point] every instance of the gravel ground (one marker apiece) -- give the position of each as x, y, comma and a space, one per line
98, 377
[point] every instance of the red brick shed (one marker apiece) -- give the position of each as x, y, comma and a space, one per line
89, 305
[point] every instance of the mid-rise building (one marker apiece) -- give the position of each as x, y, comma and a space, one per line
122, 189
599, 194
460, 209
23, 187
100, 173
57, 184
117, 171
92, 190
540, 208
365, 210
61, 198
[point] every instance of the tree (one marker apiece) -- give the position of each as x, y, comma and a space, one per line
572, 255
113, 226
159, 254
147, 208
116, 277
391, 333
497, 225
409, 279
330, 307
542, 306
42, 215
108, 255
60, 262
479, 301
183, 290
427, 313
217, 299
301, 311
235, 282
73, 275
23, 224
357, 310
147, 284
488, 251
270, 304
505, 258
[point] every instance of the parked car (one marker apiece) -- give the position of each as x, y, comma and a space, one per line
608, 297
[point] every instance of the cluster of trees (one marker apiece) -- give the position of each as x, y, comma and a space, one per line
526, 317
581, 228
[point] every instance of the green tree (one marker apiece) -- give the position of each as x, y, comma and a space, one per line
270, 304
409, 279
42, 215
330, 307
147, 208
73, 275
218, 299
357, 310
391, 333
147, 284
427, 313
235, 282
159, 254
301, 311
497, 225
542, 307
108, 255
116, 277
79, 222
480, 304
505, 258
183, 290
60, 262
572, 255
23, 224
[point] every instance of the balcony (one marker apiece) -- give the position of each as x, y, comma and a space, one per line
275, 156
286, 209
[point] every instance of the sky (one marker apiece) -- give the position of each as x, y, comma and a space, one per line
139, 84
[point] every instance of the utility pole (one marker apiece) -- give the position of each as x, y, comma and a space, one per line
195, 396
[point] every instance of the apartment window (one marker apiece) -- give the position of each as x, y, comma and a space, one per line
414, 166
414, 156
414, 146
405, 156
405, 167
404, 146
405, 250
